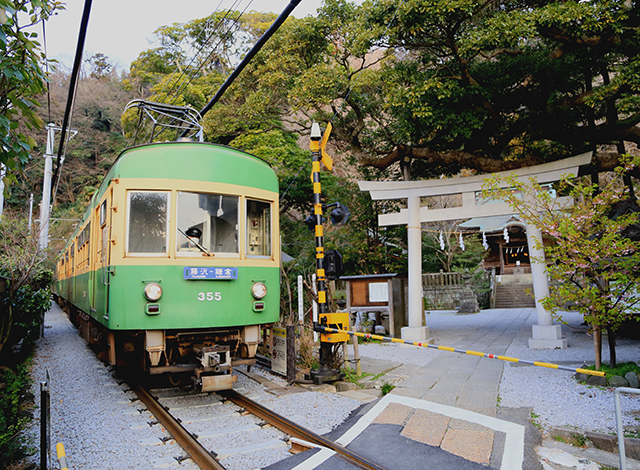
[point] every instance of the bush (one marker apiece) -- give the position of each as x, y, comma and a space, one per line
13, 385
29, 272
22, 306
29, 307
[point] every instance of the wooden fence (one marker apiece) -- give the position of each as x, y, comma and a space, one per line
442, 279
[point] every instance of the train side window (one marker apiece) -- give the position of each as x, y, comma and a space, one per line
258, 228
147, 222
210, 220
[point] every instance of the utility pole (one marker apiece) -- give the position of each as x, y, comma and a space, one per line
46, 187
45, 205
30, 212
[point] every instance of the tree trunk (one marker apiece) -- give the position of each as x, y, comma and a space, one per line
597, 344
6, 321
611, 339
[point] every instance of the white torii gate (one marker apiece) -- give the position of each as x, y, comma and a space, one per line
546, 335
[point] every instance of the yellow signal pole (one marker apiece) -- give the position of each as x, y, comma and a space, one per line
328, 342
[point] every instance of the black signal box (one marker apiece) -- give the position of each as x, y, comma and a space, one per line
332, 264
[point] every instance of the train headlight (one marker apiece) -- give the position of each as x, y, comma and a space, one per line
259, 290
152, 292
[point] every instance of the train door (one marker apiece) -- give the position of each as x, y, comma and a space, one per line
100, 269
68, 289
72, 260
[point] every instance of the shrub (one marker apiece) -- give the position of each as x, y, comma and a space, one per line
13, 384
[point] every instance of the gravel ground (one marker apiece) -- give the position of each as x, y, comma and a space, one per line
101, 427
557, 399
93, 415
91, 412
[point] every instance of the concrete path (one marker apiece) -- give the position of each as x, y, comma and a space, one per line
444, 414
448, 409
462, 396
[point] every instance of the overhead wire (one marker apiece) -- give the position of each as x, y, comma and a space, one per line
181, 73
73, 88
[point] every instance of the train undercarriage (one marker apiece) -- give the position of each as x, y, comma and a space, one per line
204, 357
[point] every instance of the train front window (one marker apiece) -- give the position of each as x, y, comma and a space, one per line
207, 223
258, 228
148, 229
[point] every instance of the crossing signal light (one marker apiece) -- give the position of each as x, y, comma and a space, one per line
339, 215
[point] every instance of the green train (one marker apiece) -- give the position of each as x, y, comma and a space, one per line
175, 266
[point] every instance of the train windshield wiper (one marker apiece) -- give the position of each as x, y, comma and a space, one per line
202, 248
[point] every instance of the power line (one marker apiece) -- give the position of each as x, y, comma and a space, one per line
73, 84
182, 74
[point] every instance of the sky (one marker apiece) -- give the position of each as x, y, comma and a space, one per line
121, 29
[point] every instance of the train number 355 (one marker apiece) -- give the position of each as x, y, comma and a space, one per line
210, 296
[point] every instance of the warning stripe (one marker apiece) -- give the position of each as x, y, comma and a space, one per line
599, 373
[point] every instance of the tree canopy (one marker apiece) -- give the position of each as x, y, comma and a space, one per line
21, 78
440, 85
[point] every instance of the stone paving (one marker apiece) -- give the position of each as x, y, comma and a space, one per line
447, 409
471, 384
459, 380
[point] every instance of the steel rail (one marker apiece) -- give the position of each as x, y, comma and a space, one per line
191, 446
294, 430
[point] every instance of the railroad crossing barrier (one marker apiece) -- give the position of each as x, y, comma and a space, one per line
326, 330
619, 428
62, 457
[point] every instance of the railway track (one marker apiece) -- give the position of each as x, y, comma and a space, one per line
295, 430
184, 438
205, 458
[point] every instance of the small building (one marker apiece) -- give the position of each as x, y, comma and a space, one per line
380, 296
507, 258
506, 239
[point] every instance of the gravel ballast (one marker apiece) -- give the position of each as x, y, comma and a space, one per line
102, 426
95, 416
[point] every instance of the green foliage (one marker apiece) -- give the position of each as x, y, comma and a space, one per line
535, 420
29, 306
386, 388
29, 273
350, 376
503, 81
620, 369
445, 84
21, 79
595, 263
14, 384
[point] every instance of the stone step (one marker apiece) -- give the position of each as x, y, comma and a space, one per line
514, 296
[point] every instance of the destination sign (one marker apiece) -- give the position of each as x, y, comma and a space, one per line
207, 273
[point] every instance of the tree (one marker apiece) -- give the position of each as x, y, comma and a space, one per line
21, 79
88, 156
100, 66
434, 86
29, 273
593, 257
501, 85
